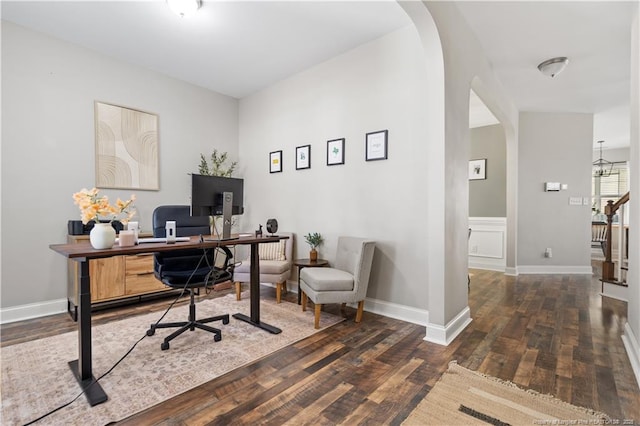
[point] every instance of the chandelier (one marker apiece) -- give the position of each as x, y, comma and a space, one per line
602, 167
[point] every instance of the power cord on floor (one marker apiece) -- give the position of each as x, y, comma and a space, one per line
66, 404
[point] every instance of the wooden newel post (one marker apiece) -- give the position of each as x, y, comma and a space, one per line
608, 267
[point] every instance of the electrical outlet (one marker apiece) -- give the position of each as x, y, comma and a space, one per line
548, 253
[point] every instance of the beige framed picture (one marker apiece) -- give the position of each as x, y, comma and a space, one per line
126, 148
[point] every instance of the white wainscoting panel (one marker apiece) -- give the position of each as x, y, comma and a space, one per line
488, 243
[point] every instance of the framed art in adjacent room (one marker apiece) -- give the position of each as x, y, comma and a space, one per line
376, 145
303, 157
335, 152
275, 162
126, 148
478, 169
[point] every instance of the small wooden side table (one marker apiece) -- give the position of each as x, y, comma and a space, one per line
307, 263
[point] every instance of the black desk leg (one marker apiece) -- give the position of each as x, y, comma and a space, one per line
81, 367
254, 289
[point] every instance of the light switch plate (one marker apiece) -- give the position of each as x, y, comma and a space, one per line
586, 201
575, 201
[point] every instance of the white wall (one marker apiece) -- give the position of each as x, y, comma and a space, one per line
48, 93
488, 197
379, 85
488, 243
554, 147
632, 328
464, 63
614, 154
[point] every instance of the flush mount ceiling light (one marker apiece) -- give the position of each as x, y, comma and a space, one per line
554, 66
184, 8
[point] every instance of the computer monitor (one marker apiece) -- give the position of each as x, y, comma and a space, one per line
216, 195
207, 194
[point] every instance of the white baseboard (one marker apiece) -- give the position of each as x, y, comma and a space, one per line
615, 292
381, 307
633, 350
486, 264
32, 310
445, 335
394, 310
555, 269
513, 272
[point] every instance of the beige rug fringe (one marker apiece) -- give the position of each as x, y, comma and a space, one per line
463, 396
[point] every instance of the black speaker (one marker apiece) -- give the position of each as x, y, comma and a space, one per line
272, 226
75, 227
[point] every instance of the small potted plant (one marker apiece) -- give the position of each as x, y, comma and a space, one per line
314, 240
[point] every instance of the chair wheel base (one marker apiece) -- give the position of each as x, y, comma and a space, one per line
164, 346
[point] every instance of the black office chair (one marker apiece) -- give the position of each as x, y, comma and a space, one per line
189, 269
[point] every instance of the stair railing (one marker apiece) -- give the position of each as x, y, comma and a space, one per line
608, 267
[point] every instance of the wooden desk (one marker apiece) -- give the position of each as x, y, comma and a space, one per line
83, 252
115, 280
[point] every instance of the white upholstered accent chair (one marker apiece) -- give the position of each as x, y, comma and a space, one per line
346, 282
276, 260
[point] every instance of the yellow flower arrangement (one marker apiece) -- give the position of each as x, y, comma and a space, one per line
94, 207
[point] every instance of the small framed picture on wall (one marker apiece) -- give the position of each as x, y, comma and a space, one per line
478, 169
275, 162
376, 145
335, 152
303, 157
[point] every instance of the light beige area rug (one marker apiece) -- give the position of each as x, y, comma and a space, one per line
465, 397
37, 379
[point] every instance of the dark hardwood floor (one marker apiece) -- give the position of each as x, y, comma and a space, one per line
551, 333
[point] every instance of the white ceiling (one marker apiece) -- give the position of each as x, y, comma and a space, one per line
231, 47
595, 36
240, 47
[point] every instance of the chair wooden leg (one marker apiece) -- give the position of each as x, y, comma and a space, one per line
304, 301
360, 310
316, 321
238, 290
278, 292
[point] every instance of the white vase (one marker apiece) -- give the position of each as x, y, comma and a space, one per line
102, 236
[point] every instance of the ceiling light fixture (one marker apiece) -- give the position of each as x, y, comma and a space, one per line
184, 8
554, 66
602, 167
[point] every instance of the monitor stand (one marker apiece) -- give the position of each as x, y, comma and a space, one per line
227, 209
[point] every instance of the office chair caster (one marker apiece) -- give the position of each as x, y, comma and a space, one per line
164, 346
225, 321
217, 338
151, 331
